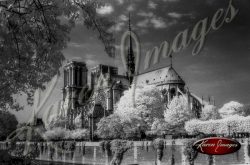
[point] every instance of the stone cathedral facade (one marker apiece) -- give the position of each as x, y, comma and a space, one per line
94, 100
97, 98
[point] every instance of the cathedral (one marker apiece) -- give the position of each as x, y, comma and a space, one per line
96, 99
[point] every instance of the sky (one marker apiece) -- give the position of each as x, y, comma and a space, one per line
220, 71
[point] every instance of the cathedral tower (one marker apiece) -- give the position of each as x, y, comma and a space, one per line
75, 78
130, 57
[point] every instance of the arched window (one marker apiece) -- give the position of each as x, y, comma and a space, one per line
172, 92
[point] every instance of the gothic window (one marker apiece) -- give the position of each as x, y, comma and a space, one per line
108, 94
65, 78
172, 92
80, 78
75, 76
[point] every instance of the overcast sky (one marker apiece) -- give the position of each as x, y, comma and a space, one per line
221, 70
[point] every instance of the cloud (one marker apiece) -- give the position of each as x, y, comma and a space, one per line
123, 18
104, 10
120, 2
77, 58
210, 2
152, 21
75, 44
175, 15
144, 14
152, 5
144, 23
170, 0
117, 27
131, 7
158, 23
178, 15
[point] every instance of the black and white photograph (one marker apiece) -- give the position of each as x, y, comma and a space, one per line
124, 82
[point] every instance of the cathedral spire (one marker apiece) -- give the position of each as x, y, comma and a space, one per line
129, 23
171, 60
130, 37
130, 56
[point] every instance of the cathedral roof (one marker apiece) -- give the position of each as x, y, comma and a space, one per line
173, 77
166, 75
75, 63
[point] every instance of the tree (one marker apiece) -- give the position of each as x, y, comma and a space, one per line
8, 124
33, 34
231, 108
160, 125
210, 112
234, 123
143, 103
116, 127
245, 110
178, 112
134, 129
110, 127
57, 133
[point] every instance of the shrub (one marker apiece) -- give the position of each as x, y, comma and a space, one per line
143, 103
114, 127
8, 124
178, 112
234, 123
231, 108
59, 133
56, 133
110, 127
210, 112
78, 134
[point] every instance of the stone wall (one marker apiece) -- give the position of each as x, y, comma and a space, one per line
142, 153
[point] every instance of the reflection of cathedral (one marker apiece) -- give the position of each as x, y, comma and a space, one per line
107, 86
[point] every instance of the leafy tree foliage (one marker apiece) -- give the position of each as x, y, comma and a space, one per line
114, 127
178, 112
144, 103
160, 125
57, 133
228, 125
210, 112
231, 108
245, 110
33, 34
110, 127
8, 124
